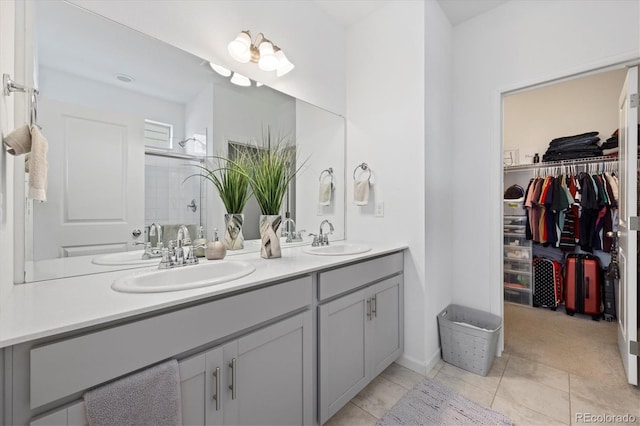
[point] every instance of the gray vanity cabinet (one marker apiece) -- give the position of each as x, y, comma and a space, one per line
259, 379
360, 332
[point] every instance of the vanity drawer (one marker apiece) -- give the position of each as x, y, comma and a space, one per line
76, 364
341, 280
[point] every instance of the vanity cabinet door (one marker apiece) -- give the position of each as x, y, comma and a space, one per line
199, 388
73, 415
360, 335
387, 324
343, 345
273, 375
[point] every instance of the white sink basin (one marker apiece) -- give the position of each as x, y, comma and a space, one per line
338, 249
125, 258
182, 278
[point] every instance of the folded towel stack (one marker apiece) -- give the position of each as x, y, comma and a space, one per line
28, 139
150, 397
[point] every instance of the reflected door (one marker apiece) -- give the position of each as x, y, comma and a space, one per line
628, 289
95, 196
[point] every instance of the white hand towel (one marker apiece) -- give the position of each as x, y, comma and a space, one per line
361, 192
150, 397
25, 140
324, 196
19, 141
38, 166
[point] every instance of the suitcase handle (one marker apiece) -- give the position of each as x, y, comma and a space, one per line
586, 290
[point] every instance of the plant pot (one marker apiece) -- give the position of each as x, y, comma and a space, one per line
233, 237
270, 244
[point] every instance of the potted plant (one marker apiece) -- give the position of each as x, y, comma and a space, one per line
232, 183
270, 169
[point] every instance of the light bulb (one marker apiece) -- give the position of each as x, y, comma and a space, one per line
284, 66
239, 48
268, 60
240, 80
220, 69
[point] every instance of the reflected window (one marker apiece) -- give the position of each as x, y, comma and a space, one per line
157, 134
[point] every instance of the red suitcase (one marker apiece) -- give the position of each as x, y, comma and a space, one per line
582, 283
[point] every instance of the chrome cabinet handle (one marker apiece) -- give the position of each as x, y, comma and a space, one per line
216, 396
233, 386
369, 309
374, 306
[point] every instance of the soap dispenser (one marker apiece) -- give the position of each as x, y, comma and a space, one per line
200, 241
215, 249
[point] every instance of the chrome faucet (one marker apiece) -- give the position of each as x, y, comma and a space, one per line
180, 252
322, 239
186, 238
290, 233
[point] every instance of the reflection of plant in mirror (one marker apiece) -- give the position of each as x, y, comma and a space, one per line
270, 169
230, 181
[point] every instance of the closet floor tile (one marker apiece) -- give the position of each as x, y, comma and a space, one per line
521, 415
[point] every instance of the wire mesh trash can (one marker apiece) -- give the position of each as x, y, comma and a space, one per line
468, 338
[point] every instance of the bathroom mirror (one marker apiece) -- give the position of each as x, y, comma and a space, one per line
128, 118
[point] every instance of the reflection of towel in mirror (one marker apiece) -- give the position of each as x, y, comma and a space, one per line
38, 166
150, 397
324, 196
361, 192
29, 140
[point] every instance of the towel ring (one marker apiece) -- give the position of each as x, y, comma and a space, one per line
365, 168
329, 171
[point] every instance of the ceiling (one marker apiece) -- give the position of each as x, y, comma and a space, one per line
349, 12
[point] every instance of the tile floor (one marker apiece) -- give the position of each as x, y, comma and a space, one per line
554, 366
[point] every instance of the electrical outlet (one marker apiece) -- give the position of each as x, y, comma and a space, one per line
379, 209
320, 211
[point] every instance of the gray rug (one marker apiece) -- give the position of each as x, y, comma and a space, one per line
431, 403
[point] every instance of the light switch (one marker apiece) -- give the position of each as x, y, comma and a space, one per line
379, 209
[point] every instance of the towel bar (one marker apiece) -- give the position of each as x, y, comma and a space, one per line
329, 170
9, 86
364, 167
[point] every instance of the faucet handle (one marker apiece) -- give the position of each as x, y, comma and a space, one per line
315, 242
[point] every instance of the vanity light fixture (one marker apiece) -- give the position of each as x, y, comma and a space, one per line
220, 69
240, 80
263, 52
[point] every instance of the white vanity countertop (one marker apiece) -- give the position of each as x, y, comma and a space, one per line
41, 309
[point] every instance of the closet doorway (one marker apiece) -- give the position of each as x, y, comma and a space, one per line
532, 118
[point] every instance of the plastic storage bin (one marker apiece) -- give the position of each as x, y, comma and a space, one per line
468, 338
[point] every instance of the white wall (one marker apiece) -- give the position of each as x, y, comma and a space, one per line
389, 129
519, 44
310, 38
440, 257
65, 87
534, 117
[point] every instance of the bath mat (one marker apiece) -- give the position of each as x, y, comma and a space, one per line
431, 403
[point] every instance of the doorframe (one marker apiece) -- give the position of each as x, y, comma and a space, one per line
497, 173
